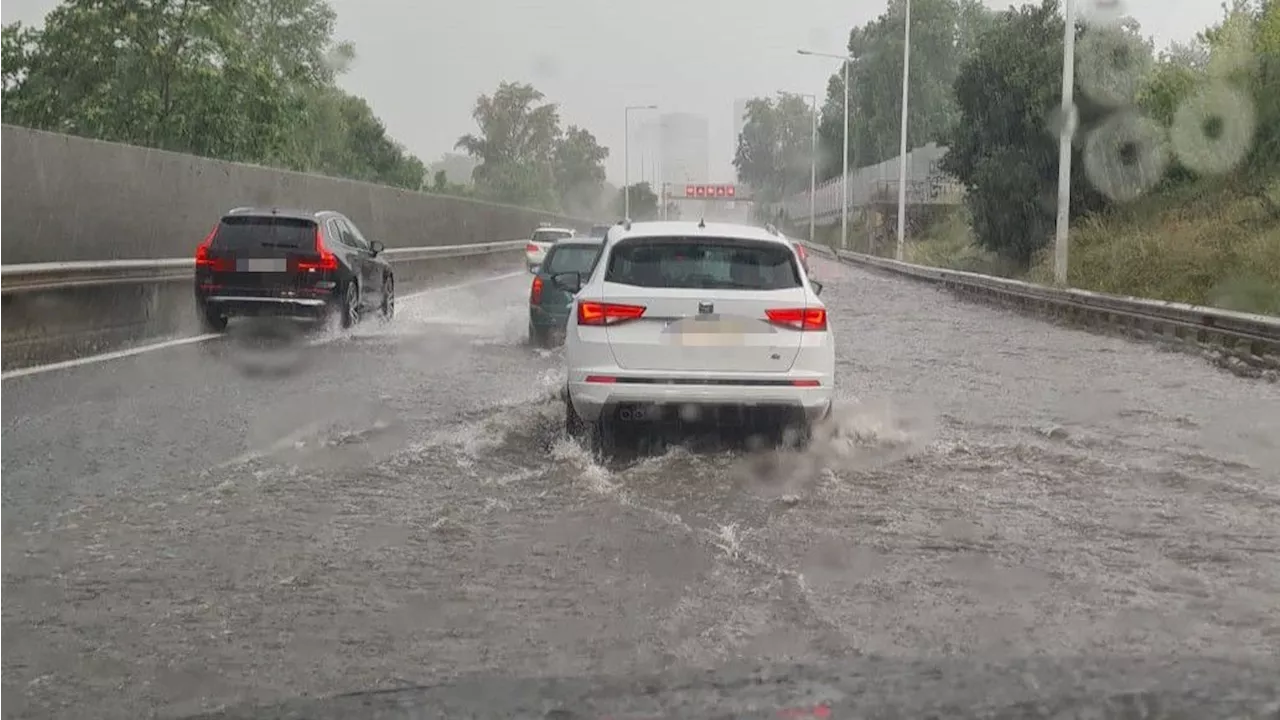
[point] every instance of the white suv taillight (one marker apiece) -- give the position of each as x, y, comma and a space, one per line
595, 313
809, 319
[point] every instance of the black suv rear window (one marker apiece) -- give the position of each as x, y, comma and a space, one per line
710, 263
270, 235
579, 258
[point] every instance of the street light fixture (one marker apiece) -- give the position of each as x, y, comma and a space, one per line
626, 156
846, 61
813, 160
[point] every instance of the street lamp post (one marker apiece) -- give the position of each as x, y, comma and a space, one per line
813, 162
1064, 144
844, 176
626, 156
902, 140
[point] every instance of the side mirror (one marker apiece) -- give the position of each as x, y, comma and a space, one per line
533, 269
570, 282
817, 286
377, 247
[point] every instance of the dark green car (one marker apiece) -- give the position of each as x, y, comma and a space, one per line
548, 304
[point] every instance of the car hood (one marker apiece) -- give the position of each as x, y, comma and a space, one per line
957, 689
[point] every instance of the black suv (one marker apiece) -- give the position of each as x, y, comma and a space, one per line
290, 263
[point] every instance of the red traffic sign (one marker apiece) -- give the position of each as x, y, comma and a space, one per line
710, 191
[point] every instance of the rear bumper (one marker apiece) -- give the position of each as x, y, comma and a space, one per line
593, 400
261, 306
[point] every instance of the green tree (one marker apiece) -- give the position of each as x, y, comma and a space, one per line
775, 147
457, 166
380, 158
1004, 147
943, 34
166, 75
19, 43
246, 80
294, 38
644, 202
441, 185
515, 146
1244, 54
579, 170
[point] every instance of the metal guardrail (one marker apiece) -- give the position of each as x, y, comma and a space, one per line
51, 276
1253, 339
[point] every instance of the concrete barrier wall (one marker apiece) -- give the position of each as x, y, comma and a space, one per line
67, 198
45, 326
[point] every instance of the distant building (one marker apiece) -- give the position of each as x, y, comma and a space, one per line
646, 152
685, 142
684, 156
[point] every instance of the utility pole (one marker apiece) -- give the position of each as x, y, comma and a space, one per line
1061, 236
902, 140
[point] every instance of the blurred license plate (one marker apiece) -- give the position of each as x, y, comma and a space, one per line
722, 339
261, 265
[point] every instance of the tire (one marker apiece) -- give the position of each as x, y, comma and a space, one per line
212, 322
597, 437
797, 435
349, 312
537, 336
602, 440
388, 309
574, 426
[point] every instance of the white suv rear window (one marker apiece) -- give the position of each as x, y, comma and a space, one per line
706, 263
550, 235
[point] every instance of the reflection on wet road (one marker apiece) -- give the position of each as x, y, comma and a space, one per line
213, 524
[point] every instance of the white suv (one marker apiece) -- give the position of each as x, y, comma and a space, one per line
695, 321
535, 251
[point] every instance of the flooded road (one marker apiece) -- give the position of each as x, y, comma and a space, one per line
206, 526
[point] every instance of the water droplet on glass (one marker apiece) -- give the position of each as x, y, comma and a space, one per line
1126, 156
1213, 129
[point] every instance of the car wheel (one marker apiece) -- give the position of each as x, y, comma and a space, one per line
212, 321
602, 440
537, 336
389, 298
351, 305
797, 435
574, 426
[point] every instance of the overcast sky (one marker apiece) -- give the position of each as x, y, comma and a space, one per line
422, 63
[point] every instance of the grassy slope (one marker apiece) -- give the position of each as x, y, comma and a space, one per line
1210, 243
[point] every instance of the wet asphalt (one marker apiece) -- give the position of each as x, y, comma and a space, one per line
227, 523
